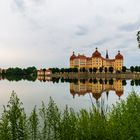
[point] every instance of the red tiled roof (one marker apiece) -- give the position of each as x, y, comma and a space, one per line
96, 95
118, 56
89, 58
119, 93
73, 56
81, 56
96, 53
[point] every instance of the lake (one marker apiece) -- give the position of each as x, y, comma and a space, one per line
78, 94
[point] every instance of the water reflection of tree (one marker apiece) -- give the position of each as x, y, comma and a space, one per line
135, 82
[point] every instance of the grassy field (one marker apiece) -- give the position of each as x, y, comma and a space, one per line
49, 123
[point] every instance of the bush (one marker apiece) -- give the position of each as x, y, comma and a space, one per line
121, 122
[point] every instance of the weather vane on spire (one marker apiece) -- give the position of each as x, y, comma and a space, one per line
138, 38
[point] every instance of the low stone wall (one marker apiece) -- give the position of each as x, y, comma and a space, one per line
98, 75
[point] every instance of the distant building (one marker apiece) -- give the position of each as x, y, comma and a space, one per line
96, 60
43, 78
40, 72
45, 72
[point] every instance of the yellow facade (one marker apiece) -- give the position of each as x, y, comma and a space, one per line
96, 88
96, 61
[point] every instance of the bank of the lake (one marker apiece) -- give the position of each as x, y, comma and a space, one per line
87, 75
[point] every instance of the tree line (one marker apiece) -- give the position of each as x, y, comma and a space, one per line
135, 68
29, 73
95, 70
135, 82
91, 70
95, 81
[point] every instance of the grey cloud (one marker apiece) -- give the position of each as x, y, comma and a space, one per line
106, 40
20, 4
39, 1
102, 41
98, 43
82, 30
130, 26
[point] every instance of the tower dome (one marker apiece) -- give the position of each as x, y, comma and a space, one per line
96, 53
118, 56
73, 56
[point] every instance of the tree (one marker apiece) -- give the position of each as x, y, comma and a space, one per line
62, 80
136, 82
105, 69
124, 83
90, 80
111, 81
101, 81
111, 69
100, 69
136, 69
94, 70
95, 81
71, 69
62, 70
90, 70
16, 119
123, 69
83, 69
105, 81
75, 70
132, 83
34, 124
132, 69
138, 38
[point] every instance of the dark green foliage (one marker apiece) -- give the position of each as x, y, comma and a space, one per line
136, 69
90, 70
124, 69
124, 119
105, 69
124, 83
111, 69
100, 69
111, 81
138, 38
13, 121
34, 125
122, 122
94, 70
16, 74
132, 69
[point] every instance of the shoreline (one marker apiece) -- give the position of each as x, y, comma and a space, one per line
81, 75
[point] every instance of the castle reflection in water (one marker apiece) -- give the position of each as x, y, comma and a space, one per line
97, 87
93, 86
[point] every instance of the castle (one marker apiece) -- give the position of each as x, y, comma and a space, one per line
96, 61
96, 89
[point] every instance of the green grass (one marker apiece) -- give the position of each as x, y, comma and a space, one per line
49, 123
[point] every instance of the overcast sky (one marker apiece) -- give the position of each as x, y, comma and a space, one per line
44, 33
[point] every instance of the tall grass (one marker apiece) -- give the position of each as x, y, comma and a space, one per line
49, 123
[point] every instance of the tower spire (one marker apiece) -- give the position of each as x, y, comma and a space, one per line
107, 54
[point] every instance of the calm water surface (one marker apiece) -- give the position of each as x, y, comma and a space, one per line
77, 96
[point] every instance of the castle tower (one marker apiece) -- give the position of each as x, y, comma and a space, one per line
107, 56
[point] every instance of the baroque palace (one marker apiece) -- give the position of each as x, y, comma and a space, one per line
96, 89
96, 61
